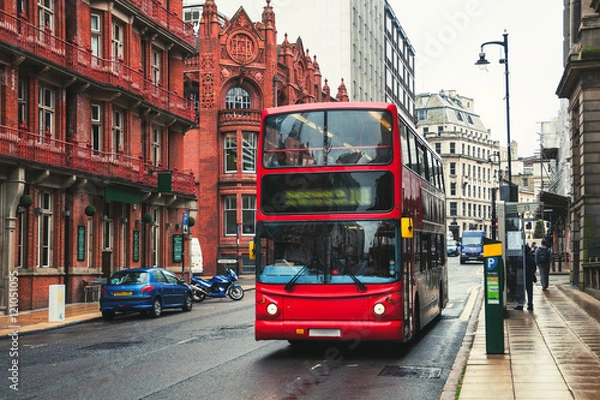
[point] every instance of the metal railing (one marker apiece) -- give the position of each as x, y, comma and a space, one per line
42, 149
43, 43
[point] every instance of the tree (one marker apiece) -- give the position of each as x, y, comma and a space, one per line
540, 230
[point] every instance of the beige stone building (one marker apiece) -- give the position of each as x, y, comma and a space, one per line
472, 159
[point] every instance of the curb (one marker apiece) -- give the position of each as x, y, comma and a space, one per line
450, 389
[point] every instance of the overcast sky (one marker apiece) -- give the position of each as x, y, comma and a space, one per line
446, 36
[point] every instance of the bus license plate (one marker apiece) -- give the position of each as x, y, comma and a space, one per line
122, 294
325, 332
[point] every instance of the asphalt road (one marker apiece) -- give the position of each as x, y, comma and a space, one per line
211, 352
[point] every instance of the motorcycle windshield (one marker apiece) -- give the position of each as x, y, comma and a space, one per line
330, 252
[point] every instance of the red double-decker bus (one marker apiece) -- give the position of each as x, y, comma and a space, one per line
350, 225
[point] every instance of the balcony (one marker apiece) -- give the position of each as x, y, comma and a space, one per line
67, 55
45, 151
239, 116
166, 19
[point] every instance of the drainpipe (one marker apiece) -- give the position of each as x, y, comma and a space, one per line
275, 80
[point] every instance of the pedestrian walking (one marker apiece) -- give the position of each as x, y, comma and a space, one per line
542, 260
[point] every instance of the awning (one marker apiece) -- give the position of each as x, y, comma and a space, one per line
122, 195
554, 204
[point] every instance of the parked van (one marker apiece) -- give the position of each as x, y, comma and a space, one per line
471, 246
197, 261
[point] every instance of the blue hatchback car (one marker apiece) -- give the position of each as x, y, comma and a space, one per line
144, 290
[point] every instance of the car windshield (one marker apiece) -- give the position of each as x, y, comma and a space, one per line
125, 278
471, 240
451, 243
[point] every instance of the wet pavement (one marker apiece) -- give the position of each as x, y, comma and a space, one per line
551, 353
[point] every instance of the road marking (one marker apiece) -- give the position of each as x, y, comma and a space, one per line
470, 304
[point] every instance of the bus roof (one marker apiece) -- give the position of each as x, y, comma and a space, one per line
329, 106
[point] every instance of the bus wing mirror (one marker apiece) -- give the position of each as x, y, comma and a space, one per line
407, 227
251, 250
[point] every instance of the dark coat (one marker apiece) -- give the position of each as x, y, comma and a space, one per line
531, 268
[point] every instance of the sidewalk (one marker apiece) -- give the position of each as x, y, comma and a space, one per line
551, 353
37, 320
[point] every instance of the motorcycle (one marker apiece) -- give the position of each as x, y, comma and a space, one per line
217, 286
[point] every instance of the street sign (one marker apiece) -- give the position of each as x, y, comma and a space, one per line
226, 261
184, 221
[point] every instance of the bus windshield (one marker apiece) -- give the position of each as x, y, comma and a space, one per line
320, 138
327, 252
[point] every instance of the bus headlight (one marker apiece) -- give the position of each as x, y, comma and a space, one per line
272, 309
379, 309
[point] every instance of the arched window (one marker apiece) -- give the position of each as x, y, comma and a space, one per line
237, 98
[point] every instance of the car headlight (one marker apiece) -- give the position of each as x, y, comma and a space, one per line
379, 309
272, 309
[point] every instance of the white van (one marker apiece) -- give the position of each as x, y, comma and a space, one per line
196, 253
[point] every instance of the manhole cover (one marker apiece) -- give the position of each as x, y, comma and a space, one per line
417, 372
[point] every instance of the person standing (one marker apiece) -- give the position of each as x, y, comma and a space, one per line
530, 277
542, 260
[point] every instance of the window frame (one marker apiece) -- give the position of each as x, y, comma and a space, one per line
96, 131
229, 211
45, 229
46, 111
238, 98
230, 153
96, 37
248, 214
249, 151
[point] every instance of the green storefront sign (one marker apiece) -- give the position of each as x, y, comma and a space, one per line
136, 246
177, 248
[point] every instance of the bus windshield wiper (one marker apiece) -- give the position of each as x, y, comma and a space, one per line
361, 286
290, 285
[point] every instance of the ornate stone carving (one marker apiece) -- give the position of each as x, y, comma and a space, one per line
207, 61
242, 47
207, 90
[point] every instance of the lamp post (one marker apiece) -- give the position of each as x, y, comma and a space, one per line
482, 63
494, 190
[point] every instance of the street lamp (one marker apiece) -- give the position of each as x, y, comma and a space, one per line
482, 63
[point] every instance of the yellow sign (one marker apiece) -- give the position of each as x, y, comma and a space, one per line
492, 250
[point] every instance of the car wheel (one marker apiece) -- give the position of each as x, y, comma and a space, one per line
188, 303
108, 315
156, 309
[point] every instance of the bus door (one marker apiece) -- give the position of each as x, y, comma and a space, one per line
407, 285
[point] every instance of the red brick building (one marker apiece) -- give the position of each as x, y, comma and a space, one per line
240, 70
92, 109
